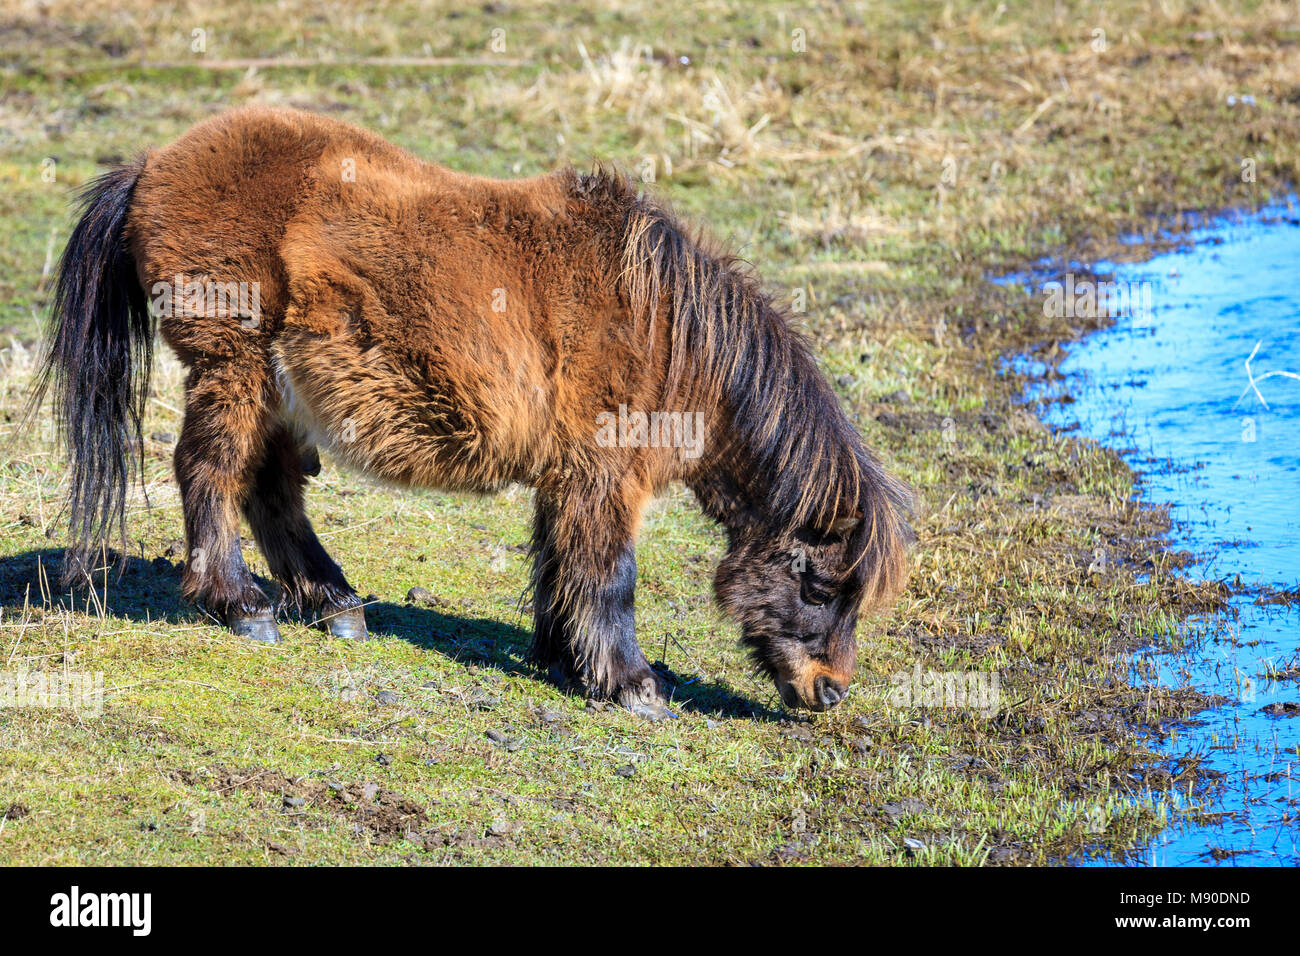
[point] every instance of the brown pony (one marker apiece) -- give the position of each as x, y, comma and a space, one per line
437, 329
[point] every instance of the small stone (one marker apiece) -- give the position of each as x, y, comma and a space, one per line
912, 845
500, 827
383, 760
294, 801
908, 806
627, 770
418, 595
503, 739
386, 697
799, 732
369, 791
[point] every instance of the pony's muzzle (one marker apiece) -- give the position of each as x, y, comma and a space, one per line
824, 693
829, 693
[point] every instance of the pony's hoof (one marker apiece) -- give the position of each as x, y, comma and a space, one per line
256, 627
647, 698
653, 711
310, 458
350, 625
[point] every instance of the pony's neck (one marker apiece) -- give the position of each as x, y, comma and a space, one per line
777, 431
722, 499
786, 454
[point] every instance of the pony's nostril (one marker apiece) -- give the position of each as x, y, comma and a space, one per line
828, 692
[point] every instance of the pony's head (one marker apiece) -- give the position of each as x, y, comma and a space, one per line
797, 595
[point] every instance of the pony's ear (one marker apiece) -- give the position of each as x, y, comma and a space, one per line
842, 526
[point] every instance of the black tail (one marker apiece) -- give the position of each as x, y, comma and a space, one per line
99, 353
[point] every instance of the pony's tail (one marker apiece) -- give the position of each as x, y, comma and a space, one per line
99, 349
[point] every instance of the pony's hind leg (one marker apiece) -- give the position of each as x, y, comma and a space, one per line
221, 441
274, 508
584, 578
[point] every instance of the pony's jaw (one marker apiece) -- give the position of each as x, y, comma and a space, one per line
789, 696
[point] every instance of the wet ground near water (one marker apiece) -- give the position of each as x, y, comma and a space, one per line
1218, 440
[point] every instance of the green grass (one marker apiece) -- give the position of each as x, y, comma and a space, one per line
888, 171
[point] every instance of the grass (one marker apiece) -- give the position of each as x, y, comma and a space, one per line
882, 175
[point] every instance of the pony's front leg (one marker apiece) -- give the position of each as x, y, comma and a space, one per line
584, 579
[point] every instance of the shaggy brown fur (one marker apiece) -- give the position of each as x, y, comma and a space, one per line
437, 329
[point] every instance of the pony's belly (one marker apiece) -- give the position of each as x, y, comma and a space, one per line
386, 426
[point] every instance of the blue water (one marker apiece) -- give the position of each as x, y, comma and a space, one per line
1165, 386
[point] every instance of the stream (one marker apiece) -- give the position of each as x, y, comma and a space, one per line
1197, 385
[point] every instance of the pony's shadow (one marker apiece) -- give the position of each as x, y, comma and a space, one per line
149, 591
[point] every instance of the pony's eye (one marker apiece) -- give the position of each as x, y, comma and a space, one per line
811, 594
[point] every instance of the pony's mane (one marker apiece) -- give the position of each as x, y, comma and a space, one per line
793, 450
